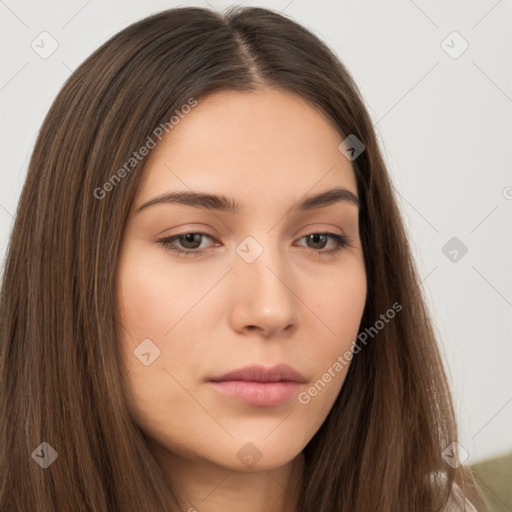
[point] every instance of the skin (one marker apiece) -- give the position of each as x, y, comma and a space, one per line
214, 312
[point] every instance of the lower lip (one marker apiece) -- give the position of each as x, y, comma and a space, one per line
258, 393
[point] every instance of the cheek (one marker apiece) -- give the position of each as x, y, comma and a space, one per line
338, 305
156, 303
152, 301
144, 301
337, 308
153, 295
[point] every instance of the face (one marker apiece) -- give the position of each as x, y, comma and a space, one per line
270, 283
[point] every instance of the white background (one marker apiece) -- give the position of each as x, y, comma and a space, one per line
444, 124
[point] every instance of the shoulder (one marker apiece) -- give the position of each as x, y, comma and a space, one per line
458, 502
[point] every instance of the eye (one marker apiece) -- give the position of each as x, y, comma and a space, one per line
191, 242
340, 241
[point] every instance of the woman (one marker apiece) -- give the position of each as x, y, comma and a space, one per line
209, 301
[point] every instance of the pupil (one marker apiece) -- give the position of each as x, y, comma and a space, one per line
315, 237
190, 238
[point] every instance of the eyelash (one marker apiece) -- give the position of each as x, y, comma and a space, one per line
341, 241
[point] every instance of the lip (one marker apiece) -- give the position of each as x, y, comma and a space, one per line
258, 373
257, 385
263, 394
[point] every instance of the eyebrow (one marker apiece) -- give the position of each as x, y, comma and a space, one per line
222, 203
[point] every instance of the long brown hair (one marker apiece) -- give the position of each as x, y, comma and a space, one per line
61, 370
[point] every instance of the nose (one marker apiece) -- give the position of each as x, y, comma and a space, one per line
264, 297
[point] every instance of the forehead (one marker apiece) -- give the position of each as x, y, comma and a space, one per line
249, 144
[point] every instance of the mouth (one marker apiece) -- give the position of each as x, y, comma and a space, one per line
260, 386
258, 393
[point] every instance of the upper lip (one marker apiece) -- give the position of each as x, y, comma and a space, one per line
258, 373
